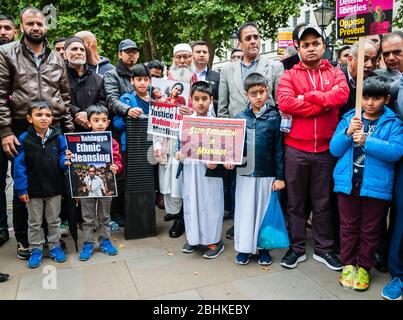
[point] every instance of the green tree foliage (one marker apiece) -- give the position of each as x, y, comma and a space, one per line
157, 26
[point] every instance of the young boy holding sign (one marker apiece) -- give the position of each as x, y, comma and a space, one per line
264, 172
366, 149
203, 193
98, 206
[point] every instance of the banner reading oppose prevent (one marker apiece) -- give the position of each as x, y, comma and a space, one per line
363, 17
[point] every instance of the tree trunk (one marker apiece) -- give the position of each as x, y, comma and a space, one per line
150, 47
211, 46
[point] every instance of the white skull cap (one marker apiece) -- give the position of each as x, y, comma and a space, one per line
182, 47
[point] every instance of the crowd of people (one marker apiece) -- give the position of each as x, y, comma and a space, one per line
303, 140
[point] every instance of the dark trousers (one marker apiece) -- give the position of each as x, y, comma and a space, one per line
20, 213
229, 184
360, 227
311, 172
396, 246
3, 199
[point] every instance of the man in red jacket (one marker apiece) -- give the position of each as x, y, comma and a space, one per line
311, 93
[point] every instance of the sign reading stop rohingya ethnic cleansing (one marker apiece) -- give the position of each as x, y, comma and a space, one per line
357, 18
91, 158
167, 96
213, 140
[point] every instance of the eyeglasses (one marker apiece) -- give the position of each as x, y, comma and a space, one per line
254, 36
92, 171
254, 94
184, 56
396, 53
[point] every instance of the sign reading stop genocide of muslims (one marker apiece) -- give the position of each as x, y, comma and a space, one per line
357, 18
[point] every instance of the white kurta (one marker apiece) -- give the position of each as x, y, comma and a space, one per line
203, 204
252, 196
169, 185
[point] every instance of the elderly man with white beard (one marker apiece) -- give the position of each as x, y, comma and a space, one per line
86, 87
182, 70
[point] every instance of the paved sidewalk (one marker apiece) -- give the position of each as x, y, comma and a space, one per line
155, 268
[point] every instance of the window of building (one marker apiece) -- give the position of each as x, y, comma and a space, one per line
308, 17
294, 22
272, 46
263, 47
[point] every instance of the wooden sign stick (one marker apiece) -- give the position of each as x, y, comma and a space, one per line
360, 76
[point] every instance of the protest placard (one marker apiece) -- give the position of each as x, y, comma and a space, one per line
213, 140
284, 38
89, 172
166, 98
357, 18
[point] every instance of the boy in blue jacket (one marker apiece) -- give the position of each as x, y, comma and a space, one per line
367, 150
38, 170
139, 100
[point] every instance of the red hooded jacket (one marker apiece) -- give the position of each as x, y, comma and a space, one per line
313, 98
117, 157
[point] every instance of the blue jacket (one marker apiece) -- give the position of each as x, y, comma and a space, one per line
383, 148
119, 122
263, 134
38, 170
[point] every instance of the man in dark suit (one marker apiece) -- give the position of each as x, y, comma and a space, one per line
350, 71
201, 56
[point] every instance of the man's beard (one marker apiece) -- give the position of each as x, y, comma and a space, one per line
182, 74
35, 40
77, 63
5, 41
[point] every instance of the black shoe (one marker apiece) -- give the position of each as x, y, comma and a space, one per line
62, 244
3, 277
177, 228
4, 236
291, 259
230, 233
169, 217
329, 259
380, 263
23, 251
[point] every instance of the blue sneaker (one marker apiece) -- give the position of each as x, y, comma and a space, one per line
57, 254
264, 258
106, 247
35, 259
87, 251
242, 258
393, 290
